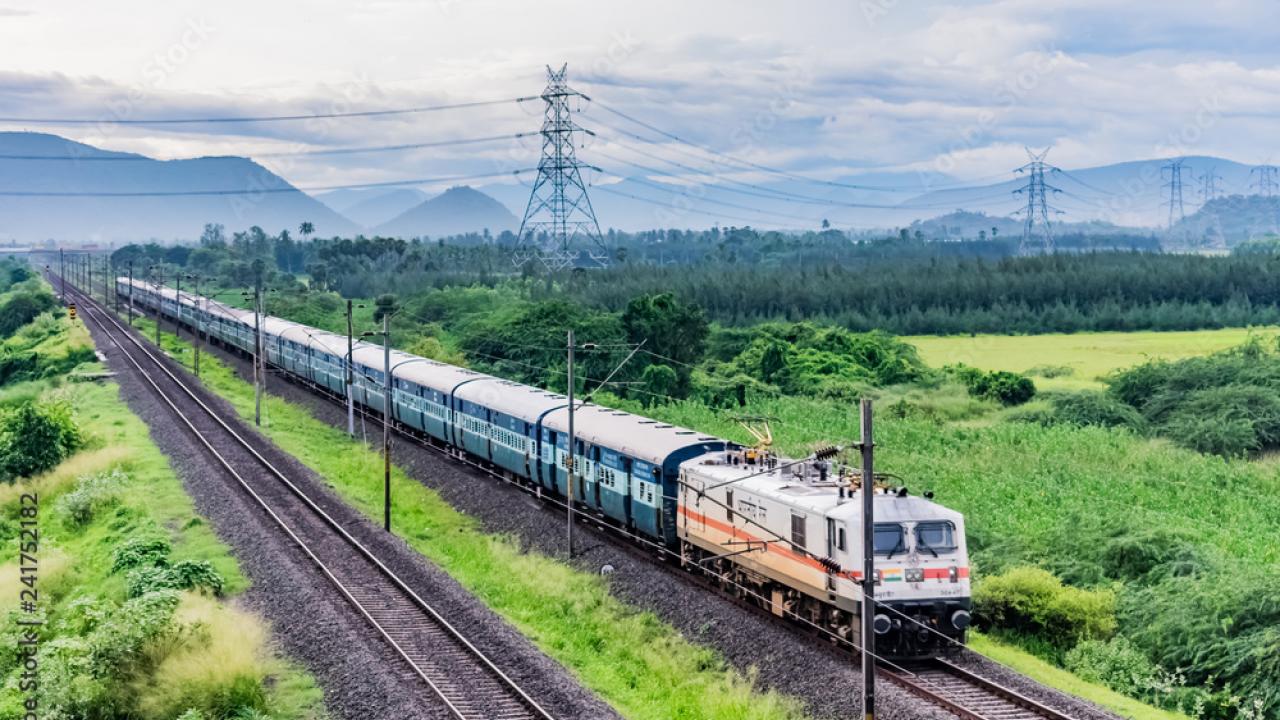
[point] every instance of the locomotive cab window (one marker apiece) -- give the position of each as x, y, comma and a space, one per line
936, 537
890, 539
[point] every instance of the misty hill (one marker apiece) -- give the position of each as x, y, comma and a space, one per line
456, 211
374, 206
72, 169
1130, 194
1228, 221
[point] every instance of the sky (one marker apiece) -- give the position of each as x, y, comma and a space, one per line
831, 89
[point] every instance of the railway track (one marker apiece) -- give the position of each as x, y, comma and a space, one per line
967, 695
959, 691
465, 680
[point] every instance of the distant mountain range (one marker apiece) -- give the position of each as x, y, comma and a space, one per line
68, 174
76, 193
65, 183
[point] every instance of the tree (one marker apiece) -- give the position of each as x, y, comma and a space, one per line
660, 382
213, 236
670, 329
35, 438
305, 229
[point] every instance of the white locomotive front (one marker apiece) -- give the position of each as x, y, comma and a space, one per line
788, 535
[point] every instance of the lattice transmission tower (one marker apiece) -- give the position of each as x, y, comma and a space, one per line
1173, 172
1266, 180
1038, 209
559, 224
1209, 186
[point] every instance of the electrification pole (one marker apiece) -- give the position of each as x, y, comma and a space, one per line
159, 300
351, 392
130, 294
571, 467
868, 566
387, 388
257, 350
62, 274
199, 325
177, 300
130, 305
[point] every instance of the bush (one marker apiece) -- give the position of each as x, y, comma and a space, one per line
1030, 601
1150, 555
91, 494
1116, 663
1051, 371
21, 308
1002, 386
140, 551
182, 575
1096, 408
36, 437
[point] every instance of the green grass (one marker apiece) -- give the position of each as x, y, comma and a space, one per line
1090, 355
640, 665
76, 561
1053, 676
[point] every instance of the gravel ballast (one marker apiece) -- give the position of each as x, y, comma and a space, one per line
360, 674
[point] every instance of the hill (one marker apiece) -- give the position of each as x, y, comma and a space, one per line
456, 211
372, 207
1226, 222
42, 163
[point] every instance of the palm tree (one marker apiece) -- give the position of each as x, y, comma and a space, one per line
305, 229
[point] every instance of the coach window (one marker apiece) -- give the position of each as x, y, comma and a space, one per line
728, 504
798, 531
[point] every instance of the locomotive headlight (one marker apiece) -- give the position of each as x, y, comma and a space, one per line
960, 619
953, 573
881, 624
915, 575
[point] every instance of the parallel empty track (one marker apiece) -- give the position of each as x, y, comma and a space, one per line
968, 695
468, 683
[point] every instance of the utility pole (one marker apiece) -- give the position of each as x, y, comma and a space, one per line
388, 386
199, 325
1174, 183
177, 300
868, 566
572, 458
159, 299
257, 350
130, 294
1038, 208
351, 392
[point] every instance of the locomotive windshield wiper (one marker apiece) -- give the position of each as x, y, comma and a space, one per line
900, 546
928, 547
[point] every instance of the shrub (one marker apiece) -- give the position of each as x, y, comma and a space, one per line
1096, 408
21, 308
118, 644
1002, 386
138, 551
1150, 555
1116, 663
1051, 371
36, 437
1232, 420
91, 494
1033, 602
182, 575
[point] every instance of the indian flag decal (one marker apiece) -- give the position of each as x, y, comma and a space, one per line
894, 575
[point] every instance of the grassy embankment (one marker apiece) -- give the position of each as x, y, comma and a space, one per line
637, 663
107, 651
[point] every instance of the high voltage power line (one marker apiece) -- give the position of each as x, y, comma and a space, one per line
1037, 207
262, 118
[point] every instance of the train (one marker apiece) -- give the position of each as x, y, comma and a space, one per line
781, 533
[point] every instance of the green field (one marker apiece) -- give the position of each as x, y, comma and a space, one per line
1089, 355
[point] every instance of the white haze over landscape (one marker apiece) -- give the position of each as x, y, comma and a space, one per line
887, 91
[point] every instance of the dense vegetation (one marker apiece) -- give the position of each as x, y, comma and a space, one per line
740, 276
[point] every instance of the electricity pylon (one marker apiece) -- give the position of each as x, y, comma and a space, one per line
559, 223
1266, 182
1173, 171
1038, 208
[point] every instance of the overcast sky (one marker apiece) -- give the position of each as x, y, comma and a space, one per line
829, 88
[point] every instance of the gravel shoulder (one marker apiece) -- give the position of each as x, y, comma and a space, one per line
361, 676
